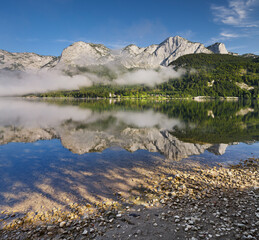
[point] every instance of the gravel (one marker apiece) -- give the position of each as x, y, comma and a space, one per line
187, 203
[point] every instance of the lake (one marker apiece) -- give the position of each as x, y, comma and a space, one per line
53, 152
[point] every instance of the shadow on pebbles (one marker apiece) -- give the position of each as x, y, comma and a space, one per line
192, 202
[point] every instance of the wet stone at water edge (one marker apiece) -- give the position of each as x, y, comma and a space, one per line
191, 203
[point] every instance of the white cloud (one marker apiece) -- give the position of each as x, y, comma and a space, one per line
225, 36
241, 18
237, 13
229, 35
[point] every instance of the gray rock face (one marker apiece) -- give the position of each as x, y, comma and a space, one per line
162, 54
218, 48
84, 54
25, 61
132, 56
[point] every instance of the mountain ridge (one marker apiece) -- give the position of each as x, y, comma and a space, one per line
132, 56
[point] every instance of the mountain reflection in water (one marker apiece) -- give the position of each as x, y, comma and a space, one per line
175, 129
100, 147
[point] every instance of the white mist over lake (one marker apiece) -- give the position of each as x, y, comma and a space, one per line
13, 83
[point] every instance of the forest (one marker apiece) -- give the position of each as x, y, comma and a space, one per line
212, 75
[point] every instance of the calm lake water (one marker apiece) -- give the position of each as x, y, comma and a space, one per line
49, 147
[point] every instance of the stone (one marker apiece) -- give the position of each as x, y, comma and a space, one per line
49, 228
62, 224
187, 228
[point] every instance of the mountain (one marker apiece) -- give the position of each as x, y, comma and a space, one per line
86, 54
218, 48
250, 55
25, 61
162, 54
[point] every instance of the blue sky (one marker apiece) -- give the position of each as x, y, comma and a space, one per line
48, 26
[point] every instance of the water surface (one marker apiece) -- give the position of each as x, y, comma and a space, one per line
58, 151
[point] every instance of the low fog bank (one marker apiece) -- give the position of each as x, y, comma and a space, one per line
17, 83
25, 113
149, 77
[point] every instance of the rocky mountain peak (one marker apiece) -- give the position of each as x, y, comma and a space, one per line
132, 49
82, 53
171, 43
218, 48
173, 39
85, 54
23, 61
174, 47
81, 48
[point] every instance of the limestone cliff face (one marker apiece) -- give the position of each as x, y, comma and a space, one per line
25, 61
132, 56
175, 47
84, 54
218, 48
161, 54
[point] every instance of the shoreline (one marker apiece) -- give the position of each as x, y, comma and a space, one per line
197, 98
184, 201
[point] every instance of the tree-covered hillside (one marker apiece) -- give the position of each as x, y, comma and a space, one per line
215, 75
219, 74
